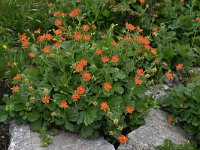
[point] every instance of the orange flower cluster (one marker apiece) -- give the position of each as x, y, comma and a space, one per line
179, 66
57, 13
75, 12
80, 65
104, 106
198, 19
144, 41
77, 36
58, 22
78, 92
86, 76
46, 49
169, 119
98, 51
142, 1
45, 36
130, 109
140, 72
105, 58
15, 88
31, 54
169, 75
18, 76
129, 26
115, 59
107, 86
122, 139
137, 80
63, 104
85, 27
46, 99
24, 40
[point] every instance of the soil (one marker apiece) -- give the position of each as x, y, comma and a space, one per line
4, 128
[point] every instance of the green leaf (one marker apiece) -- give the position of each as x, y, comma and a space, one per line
3, 116
33, 116
68, 126
86, 131
120, 75
117, 88
36, 126
89, 116
72, 114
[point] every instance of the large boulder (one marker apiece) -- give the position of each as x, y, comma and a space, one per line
154, 132
23, 139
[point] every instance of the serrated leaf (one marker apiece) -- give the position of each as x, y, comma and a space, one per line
86, 131
3, 116
33, 116
68, 126
89, 116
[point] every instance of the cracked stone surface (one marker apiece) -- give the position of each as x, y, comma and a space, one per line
154, 132
23, 139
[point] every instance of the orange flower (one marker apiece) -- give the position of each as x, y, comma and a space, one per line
155, 15
22, 37
57, 13
107, 86
46, 49
130, 109
115, 43
140, 72
50, 4
48, 36
115, 59
58, 22
62, 14
169, 75
83, 62
80, 90
137, 80
99, 51
15, 88
179, 66
105, 59
25, 43
37, 31
140, 50
85, 27
127, 38
77, 35
46, 99
56, 44
78, 67
139, 29
157, 61
18, 76
122, 139
155, 28
198, 19
86, 37
153, 51
31, 54
58, 32
129, 26
74, 12
75, 97
40, 38
104, 106
169, 119
63, 104
86, 76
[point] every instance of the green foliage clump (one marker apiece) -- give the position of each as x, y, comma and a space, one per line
169, 145
183, 103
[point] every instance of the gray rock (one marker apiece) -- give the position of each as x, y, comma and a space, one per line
157, 91
23, 139
154, 132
